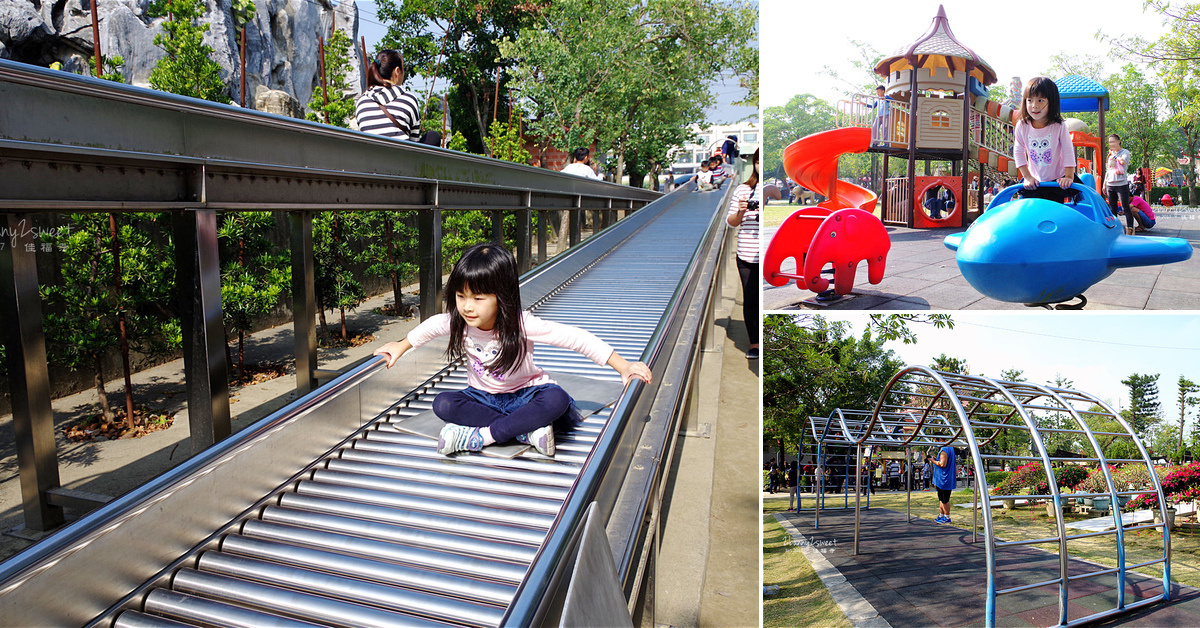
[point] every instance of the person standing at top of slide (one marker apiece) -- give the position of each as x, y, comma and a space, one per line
582, 165
1042, 147
881, 127
1116, 177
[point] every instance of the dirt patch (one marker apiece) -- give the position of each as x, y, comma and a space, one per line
93, 427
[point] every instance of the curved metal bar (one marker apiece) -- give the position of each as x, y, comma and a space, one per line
1162, 503
953, 390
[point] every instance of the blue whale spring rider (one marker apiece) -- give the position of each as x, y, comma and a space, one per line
1037, 251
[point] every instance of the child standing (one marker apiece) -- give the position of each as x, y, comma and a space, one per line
1043, 150
507, 397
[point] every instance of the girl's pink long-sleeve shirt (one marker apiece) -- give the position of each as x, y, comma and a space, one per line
1047, 151
482, 347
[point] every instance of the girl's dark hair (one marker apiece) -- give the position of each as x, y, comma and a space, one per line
381, 69
488, 269
1040, 86
1114, 136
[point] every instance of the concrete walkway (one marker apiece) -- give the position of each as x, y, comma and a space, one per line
925, 574
707, 572
922, 275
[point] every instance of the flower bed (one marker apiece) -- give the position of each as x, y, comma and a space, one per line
1030, 479
1181, 484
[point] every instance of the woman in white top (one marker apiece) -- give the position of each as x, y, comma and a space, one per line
744, 214
386, 108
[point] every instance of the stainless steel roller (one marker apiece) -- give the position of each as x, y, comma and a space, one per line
382, 530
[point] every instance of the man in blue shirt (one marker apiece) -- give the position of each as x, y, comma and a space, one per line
943, 478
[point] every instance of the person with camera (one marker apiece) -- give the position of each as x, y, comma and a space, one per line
744, 214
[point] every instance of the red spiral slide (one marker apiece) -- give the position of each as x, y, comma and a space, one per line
840, 231
813, 162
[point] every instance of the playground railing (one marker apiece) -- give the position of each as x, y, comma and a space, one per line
887, 118
899, 202
992, 133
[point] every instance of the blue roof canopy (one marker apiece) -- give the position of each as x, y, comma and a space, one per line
1079, 93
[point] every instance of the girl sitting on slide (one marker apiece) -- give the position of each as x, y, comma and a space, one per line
507, 397
1042, 146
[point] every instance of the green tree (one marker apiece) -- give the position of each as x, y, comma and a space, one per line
395, 257
1186, 398
339, 108
812, 366
1179, 43
335, 284
1136, 100
594, 71
864, 60
82, 306
254, 275
1015, 442
188, 68
458, 43
1181, 91
504, 142
803, 115
112, 67
1144, 411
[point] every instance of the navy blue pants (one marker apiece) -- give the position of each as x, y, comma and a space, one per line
508, 414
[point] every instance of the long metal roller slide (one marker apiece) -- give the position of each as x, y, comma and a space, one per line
376, 528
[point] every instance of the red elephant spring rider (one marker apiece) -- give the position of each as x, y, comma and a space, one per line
839, 232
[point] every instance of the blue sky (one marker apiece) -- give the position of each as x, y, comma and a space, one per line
800, 38
727, 91
1094, 350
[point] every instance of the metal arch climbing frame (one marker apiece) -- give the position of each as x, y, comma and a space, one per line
923, 407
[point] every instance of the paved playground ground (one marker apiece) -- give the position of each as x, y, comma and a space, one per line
921, 573
922, 275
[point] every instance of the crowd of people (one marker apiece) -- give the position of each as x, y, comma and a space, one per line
878, 473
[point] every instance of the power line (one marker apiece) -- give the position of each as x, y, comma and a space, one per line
1094, 340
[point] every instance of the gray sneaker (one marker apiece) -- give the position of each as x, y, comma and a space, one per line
541, 439
455, 438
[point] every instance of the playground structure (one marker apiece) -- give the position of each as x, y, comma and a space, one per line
840, 231
921, 407
936, 108
1039, 252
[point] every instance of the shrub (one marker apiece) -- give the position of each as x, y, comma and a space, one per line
1180, 485
1178, 194
995, 478
1030, 479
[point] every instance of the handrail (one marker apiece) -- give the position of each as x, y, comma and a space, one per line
153, 123
14, 571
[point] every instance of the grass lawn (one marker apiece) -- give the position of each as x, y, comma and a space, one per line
803, 599
775, 212
1031, 522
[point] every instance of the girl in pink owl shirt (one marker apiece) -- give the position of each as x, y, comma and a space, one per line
1042, 149
508, 397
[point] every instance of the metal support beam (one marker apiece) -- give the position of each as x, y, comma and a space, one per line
498, 227
304, 300
542, 218
28, 379
524, 235
576, 223
198, 290
429, 254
